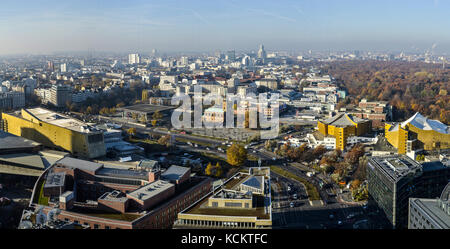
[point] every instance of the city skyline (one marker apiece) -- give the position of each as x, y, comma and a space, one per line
51, 26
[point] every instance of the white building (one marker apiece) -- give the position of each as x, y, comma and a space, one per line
134, 59
63, 67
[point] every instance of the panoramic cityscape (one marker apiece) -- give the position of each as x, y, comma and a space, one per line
198, 115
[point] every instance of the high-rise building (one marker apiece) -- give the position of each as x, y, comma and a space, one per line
50, 66
247, 61
60, 94
261, 52
63, 67
184, 61
430, 213
231, 55
134, 59
393, 179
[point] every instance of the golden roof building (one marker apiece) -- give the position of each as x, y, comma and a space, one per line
56, 131
342, 126
416, 133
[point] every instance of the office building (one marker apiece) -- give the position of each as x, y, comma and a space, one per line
63, 67
393, 179
430, 213
134, 59
60, 95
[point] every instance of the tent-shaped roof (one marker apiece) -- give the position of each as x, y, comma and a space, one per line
255, 182
423, 123
343, 119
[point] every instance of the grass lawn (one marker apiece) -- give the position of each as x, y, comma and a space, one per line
42, 200
312, 191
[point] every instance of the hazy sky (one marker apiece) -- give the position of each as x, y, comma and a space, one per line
43, 26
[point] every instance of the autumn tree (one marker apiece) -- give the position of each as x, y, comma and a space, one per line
209, 169
164, 140
236, 155
131, 131
157, 115
218, 169
354, 154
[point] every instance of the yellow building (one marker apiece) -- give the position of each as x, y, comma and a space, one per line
342, 126
56, 131
418, 132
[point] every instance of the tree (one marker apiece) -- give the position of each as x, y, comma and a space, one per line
355, 184
236, 155
131, 131
142, 119
354, 154
157, 115
319, 151
270, 144
209, 169
164, 140
89, 110
154, 122
219, 170
247, 120
144, 95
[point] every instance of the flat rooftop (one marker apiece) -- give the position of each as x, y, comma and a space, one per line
146, 108
174, 173
10, 142
150, 190
74, 163
61, 120
123, 173
55, 180
431, 208
116, 196
396, 166
201, 207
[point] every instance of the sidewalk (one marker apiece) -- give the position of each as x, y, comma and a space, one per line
346, 199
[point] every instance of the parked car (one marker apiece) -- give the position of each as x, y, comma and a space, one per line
291, 205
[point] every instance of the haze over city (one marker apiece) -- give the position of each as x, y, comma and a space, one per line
55, 26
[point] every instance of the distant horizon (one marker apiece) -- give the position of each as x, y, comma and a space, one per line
50, 26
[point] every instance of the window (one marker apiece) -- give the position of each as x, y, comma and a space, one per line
107, 227
96, 226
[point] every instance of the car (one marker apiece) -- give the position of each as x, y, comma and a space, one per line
207, 148
291, 205
274, 158
331, 217
350, 216
288, 188
295, 196
339, 223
